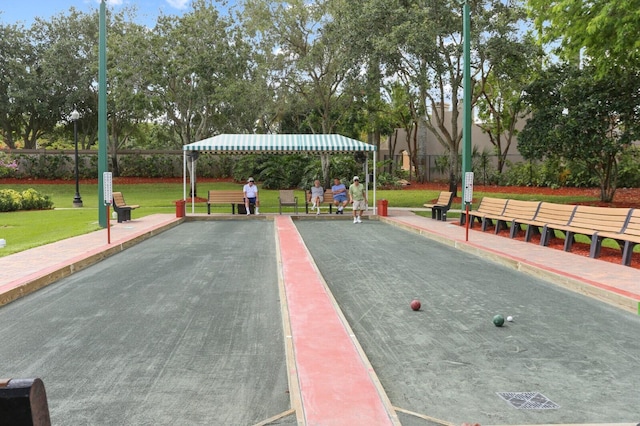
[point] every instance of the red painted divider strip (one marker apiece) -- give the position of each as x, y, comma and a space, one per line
335, 385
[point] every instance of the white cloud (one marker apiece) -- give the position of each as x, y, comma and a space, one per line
178, 4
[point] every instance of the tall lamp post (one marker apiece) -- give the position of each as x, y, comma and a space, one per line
75, 115
466, 103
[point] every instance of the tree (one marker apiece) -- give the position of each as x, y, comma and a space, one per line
197, 66
513, 64
308, 58
424, 48
65, 64
128, 105
14, 49
603, 30
578, 117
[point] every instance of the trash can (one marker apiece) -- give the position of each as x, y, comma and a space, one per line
382, 207
181, 208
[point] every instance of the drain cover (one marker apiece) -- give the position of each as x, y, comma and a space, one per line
528, 400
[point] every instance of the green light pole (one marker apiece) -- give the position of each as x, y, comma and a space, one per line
102, 113
466, 112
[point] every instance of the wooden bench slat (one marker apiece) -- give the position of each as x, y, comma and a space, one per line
233, 197
489, 206
548, 213
442, 205
628, 238
122, 209
513, 210
327, 198
587, 221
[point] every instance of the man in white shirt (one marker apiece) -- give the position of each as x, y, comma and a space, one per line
251, 195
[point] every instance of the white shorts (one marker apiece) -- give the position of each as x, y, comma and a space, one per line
359, 205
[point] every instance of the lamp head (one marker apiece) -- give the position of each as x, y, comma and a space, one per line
75, 115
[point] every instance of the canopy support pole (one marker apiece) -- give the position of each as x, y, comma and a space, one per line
184, 175
375, 205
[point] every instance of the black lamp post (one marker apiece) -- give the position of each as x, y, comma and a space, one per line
77, 200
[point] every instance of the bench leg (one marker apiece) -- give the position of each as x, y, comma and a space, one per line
515, 228
545, 236
627, 252
596, 245
569, 239
531, 230
498, 226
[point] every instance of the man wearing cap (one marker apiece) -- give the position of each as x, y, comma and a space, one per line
251, 195
357, 197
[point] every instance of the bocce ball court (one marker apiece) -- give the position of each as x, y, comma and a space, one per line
283, 321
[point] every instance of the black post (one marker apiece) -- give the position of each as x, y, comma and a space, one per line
77, 200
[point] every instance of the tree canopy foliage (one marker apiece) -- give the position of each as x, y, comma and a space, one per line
603, 30
362, 68
576, 117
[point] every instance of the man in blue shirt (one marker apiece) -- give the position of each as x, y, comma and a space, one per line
340, 199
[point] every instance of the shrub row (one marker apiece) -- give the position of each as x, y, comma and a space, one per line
29, 199
283, 171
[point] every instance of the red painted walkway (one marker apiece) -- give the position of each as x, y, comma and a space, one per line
337, 386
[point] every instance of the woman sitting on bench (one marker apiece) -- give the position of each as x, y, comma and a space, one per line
317, 195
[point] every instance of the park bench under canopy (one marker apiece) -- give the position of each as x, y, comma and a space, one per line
275, 144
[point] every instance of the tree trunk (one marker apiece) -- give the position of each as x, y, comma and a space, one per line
453, 168
325, 161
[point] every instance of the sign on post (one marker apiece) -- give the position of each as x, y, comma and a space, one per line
107, 185
468, 187
468, 198
107, 181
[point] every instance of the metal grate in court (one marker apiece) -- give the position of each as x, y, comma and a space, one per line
528, 400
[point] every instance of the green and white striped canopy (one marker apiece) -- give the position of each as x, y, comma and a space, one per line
278, 144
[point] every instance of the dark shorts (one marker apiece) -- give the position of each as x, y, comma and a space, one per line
252, 200
341, 198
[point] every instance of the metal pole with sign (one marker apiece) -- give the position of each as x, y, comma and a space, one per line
468, 198
107, 181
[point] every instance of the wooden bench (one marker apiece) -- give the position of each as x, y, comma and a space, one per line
327, 199
628, 238
514, 210
122, 209
489, 207
288, 198
587, 220
232, 197
548, 213
441, 206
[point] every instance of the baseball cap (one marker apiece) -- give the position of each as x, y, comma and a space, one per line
356, 178
250, 179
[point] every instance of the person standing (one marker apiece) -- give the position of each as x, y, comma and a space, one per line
339, 195
357, 197
316, 195
251, 195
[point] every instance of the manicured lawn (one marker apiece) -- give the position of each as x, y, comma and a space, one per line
26, 229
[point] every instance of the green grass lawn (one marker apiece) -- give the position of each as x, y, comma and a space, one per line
26, 229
